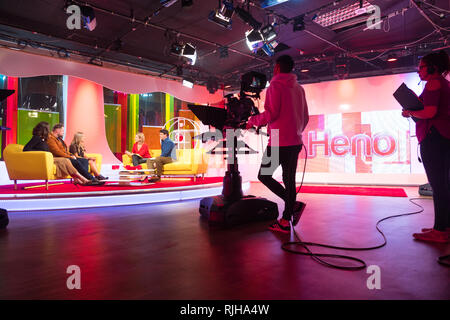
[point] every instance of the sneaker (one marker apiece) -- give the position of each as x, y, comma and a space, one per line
298, 210
100, 177
154, 179
432, 236
276, 226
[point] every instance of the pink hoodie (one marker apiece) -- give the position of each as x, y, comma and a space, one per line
285, 109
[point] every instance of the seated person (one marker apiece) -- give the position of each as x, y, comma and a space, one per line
78, 149
58, 148
168, 155
64, 167
140, 153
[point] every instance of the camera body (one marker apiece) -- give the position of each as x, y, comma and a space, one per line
240, 109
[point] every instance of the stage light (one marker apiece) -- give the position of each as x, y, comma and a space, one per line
176, 48
268, 32
187, 51
248, 18
254, 39
190, 52
188, 82
167, 3
392, 58
269, 48
304, 70
222, 16
88, 17
271, 3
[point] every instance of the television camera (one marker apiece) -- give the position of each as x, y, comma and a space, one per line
232, 207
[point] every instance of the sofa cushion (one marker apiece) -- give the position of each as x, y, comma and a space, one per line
177, 166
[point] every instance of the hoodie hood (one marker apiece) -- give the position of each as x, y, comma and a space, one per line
286, 79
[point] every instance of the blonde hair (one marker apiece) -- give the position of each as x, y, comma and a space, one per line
141, 137
76, 141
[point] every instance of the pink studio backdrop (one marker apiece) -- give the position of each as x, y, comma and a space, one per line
85, 113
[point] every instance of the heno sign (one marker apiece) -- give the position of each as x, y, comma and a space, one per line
381, 144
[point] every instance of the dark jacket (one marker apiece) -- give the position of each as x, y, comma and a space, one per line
36, 144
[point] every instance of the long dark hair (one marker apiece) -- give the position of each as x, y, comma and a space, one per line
42, 130
438, 61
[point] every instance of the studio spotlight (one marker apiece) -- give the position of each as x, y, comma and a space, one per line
188, 82
222, 16
167, 3
269, 48
268, 32
176, 49
187, 51
254, 39
190, 53
392, 58
270, 3
88, 17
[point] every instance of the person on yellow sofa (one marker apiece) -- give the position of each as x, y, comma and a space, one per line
58, 148
140, 153
64, 167
78, 149
168, 155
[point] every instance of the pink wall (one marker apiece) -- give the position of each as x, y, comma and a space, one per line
85, 113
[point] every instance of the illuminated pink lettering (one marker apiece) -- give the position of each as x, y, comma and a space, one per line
313, 143
340, 145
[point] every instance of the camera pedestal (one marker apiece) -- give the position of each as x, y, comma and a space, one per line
232, 207
218, 211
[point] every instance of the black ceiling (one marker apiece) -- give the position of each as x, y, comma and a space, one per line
123, 38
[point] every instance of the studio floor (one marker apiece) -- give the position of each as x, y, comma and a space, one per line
166, 251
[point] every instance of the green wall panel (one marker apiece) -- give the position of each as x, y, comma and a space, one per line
113, 126
28, 119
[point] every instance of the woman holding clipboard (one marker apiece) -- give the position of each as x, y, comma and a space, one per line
433, 134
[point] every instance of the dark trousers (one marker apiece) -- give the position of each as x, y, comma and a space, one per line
288, 158
435, 152
159, 162
82, 166
137, 160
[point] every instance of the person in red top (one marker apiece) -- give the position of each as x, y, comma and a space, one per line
433, 134
140, 153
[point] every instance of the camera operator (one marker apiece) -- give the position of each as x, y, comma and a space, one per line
286, 113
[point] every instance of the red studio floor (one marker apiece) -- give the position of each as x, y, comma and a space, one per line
165, 251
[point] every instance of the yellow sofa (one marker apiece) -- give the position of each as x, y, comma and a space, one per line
190, 162
34, 165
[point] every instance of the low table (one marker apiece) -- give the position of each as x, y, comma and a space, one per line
132, 177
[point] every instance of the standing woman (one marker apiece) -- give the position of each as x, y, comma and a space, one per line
64, 167
140, 153
433, 133
78, 149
